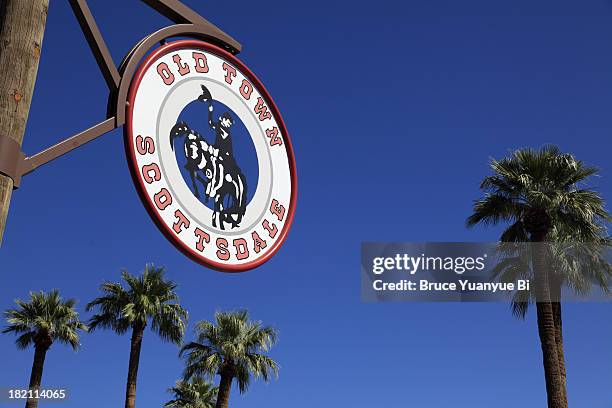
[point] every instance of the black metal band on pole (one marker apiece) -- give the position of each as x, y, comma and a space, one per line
15, 164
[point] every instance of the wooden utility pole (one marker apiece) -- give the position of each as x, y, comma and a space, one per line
22, 25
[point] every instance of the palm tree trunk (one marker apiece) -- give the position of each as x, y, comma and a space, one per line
225, 387
552, 373
40, 352
556, 306
547, 330
136, 343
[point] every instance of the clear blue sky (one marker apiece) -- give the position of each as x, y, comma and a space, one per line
394, 109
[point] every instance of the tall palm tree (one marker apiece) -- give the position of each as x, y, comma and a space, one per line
148, 298
541, 195
43, 320
232, 347
197, 393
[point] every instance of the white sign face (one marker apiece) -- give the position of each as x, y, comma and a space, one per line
210, 156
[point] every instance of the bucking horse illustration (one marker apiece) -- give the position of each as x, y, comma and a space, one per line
213, 166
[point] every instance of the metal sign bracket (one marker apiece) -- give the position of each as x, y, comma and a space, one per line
11, 157
15, 164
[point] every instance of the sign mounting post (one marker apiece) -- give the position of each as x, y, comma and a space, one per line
22, 26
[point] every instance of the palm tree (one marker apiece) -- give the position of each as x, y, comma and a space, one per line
197, 393
541, 195
41, 321
232, 347
147, 298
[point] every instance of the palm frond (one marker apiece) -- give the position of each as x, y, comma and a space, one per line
231, 344
546, 188
45, 318
145, 298
197, 393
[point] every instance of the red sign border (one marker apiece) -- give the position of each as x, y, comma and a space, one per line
138, 182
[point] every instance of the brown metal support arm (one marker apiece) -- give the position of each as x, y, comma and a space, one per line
176, 11
96, 43
179, 13
14, 164
29, 164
